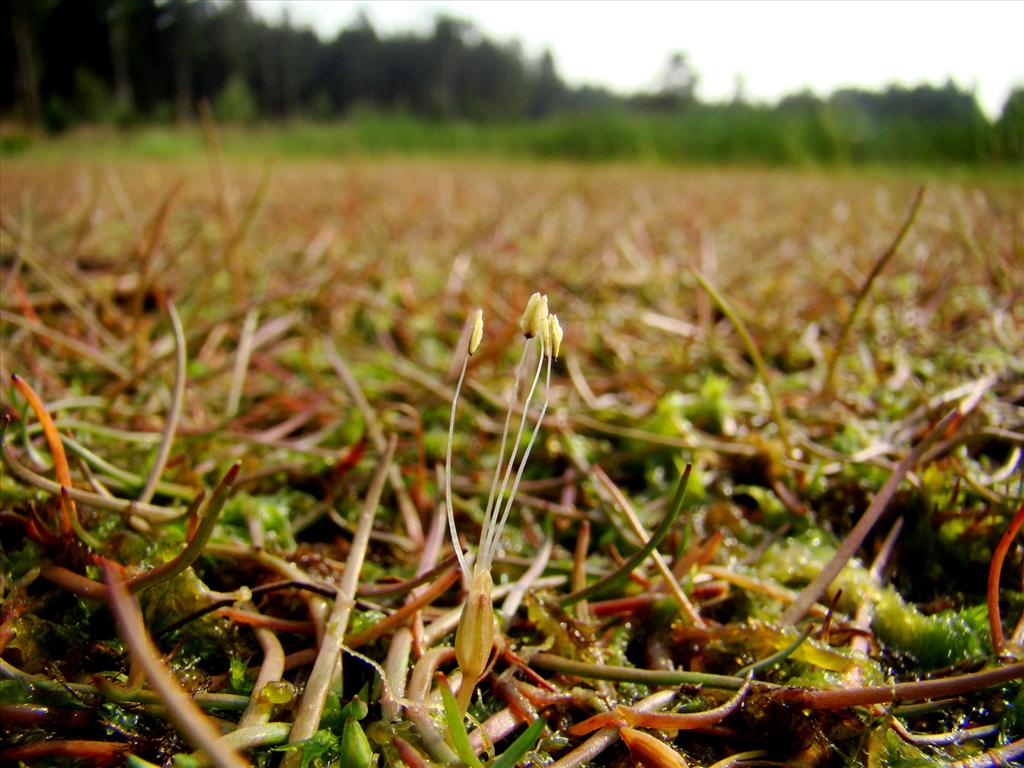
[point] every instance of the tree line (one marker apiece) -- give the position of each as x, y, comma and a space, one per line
130, 61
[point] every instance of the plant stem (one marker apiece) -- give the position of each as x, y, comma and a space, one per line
634, 675
620, 574
183, 712
328, 661
810, 594
755, 355
826, 385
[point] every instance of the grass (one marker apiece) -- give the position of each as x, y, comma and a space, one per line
295, 339
699, 138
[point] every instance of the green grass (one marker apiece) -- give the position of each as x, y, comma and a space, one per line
739, 136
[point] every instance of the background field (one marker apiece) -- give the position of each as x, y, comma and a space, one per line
270, 265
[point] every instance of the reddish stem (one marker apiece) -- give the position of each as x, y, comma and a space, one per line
897, 692
995, 621
399, 617
56, 445
408, 753
95, 752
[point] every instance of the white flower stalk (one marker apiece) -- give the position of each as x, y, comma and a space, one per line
474, 638
475, 336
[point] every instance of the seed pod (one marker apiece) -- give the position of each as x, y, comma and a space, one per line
555, 333
534, 315
539, 321
651, 752
474, 637
477, 334
545, 336
355, 748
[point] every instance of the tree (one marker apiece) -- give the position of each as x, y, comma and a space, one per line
1010, 127
678, 80
26, 17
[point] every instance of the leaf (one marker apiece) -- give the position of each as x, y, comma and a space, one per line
456, 727
523, 744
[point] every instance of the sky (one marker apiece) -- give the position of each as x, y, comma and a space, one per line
776, 47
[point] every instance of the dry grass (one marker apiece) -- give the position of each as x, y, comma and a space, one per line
384, 259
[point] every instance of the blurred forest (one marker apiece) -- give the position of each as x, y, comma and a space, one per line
130, 62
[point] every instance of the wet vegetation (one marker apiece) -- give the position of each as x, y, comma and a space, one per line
769, 518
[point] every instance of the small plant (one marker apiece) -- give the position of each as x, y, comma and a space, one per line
474, 638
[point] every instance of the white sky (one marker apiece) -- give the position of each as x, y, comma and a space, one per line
778, 47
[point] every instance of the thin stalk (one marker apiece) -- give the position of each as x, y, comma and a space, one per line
174, 414
496, 532
258, 711
196, 544
242, 355
897, 692
775, 658
182, 711
77, 425
247, 738
94, 752
604, 738
755, 355
56, 446
456, 544
119, 477
238, 233
621, 573
681, 721
328, 661
995, 568
410, 516
526, 581
144, 255
396, 619
813, 591
865, 289
219, 701
46, 269
489, 531
943, 739
513, 398
994, 758
670, 580
80, 348
616, 673
149, 511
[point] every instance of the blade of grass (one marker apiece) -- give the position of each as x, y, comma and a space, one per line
456, 726
80, 348
163, 451
410, 517
242, 356
865, 289
328, 661
755, 356
621, 574
126, 506
69, 514
670, 580
617, 673
813, 591
183, 712
196, 544
524, 743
